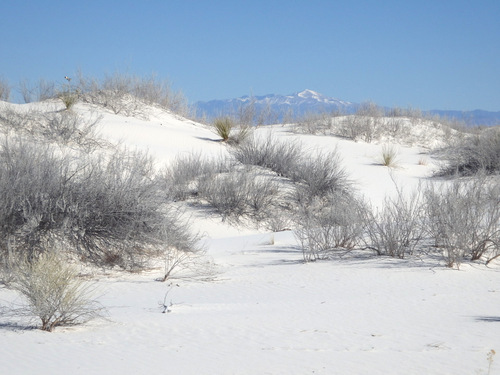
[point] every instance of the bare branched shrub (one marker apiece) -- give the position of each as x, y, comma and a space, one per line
183, 177
38, 92
319, 175
4, 90
314, 123
53, 292
69, 127
240, 134
106, 209
278, 156
182, 255
464, 219
31, 178
239, 194
66, 128
360, 127
398, 227
474, 154
328, 228
127, 95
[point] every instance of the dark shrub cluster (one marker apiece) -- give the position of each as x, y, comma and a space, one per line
106, 208
474, 154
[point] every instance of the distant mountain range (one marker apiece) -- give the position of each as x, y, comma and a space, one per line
277, 107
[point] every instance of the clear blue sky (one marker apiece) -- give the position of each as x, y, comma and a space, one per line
422, 53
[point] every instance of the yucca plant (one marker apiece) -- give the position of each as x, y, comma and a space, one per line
69, 98
223, 127
389, 156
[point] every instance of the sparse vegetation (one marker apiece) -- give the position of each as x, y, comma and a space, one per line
69, 98
280, 157
464, 219
329, 228
241, 193
473, 154
4, 90
65, 128
53, 292
38, 92
108, 211
128, 94
398, 227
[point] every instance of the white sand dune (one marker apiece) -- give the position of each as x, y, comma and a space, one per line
267, 312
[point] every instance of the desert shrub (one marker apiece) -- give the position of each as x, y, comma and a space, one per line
364, 125
182, 178
66, 128
53, 292
464, 219
240, 194
242, 133
4, 90
69, 98
106, 209
398, 227
113, 93
328, 228
223, 127
127, 95
474, 154
319, 175
270, 153
40, 91
314, 123
360, 127
31, 176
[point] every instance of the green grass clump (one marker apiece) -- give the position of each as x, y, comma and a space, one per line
223, 127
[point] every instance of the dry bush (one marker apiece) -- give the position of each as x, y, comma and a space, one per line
464, 219
4, 90
182, 178
329, 228
107, 210
53, 292
278, 156
398, 227
68, 98
241, 194
314, 123
66, 128
69, 128
473, 154
360, 127
128, 95
319, 175
38, 92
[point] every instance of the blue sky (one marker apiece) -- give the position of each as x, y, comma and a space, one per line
425, 54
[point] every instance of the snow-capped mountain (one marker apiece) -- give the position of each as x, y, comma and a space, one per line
274, 108
279, 105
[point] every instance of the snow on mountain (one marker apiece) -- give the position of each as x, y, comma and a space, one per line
309, 101
297, 104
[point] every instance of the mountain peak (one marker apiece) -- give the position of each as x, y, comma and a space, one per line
298, 103
309, 94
